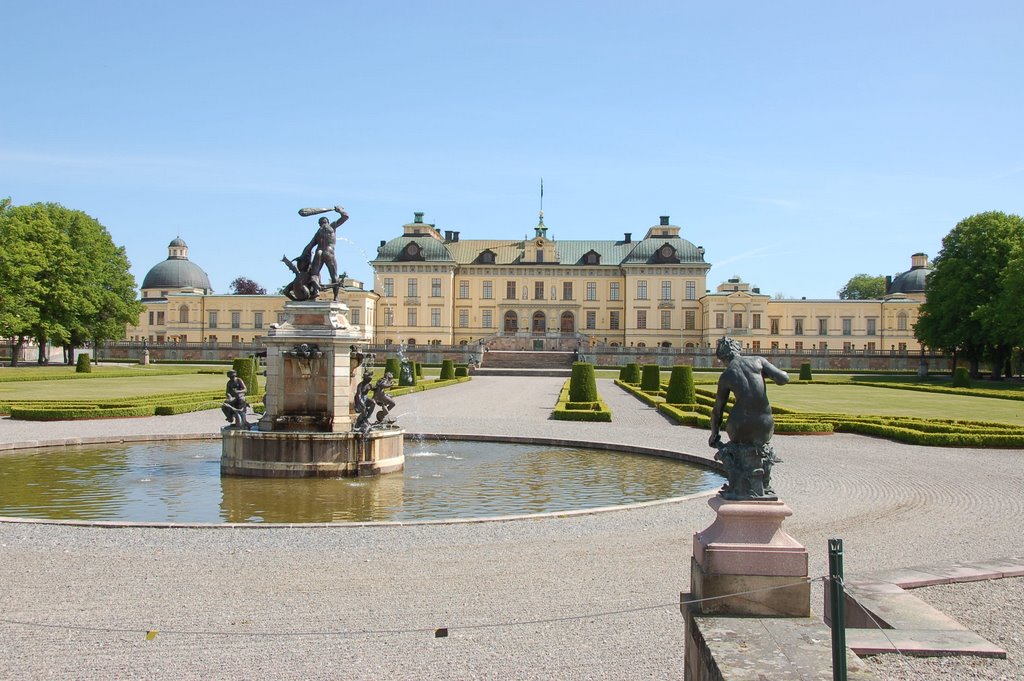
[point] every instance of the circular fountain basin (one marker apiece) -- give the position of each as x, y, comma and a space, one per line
180, 482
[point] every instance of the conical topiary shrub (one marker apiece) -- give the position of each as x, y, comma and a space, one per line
394, 365
631, 374
447, 370
82, 365
961, 378
680, 386
805, 372
583, 384
651, 378
246, 368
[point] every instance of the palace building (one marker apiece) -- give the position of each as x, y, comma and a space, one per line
539, 293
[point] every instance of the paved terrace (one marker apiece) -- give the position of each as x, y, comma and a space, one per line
583, 597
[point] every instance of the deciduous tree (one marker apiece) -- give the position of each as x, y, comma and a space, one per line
863, 287
243, 286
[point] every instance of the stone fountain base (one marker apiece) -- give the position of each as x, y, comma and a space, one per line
297, 454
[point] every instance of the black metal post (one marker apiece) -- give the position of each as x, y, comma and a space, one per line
838, 603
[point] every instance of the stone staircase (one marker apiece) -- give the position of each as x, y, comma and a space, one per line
525, 363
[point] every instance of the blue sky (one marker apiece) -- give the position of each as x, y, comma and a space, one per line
800, 143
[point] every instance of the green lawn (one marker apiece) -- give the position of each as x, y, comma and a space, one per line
106, 388
865, 400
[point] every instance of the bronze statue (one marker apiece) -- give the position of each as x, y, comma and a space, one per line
318, 252
381, 397
748, 456
363, 405
235, 405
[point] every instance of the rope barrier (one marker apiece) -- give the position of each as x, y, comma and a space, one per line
438, 632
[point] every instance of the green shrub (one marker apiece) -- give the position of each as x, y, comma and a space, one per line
961, 379
418, 371
567, 410
631, 374
394, 365
680, 386
651, 379
407, 377
583, 384
247, 368
461, 370
805, 372
82, 365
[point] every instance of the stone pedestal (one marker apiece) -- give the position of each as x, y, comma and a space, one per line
307, 427
747, 564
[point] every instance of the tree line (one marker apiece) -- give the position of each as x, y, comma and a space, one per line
63, 281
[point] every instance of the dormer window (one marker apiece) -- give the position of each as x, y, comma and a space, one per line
487, 258
412, 251
592, 258
666, 254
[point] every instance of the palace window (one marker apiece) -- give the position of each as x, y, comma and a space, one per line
872, 323
389, 316
412, 290
798, 326
666, 319
641, 319
538, 290
591, 290
486, 319
823, 327
236, 320
257, 320
488, 290
691, 290
463, 318
566, 290
411, 317
212, 322
159, 318
641, 289
847, 327
510, 290
755, 320
901, 321
719, 320
435, 287
613, 320
737, 320
389, 287
435, 316
591, 319
613, 291
690, 320
666, 290
774, 326
354, 313
463, 289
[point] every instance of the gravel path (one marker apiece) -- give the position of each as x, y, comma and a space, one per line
584, 597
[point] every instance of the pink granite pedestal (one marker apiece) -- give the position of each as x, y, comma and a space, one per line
746, 564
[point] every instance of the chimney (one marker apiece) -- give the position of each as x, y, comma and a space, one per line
628, 238
664, 220
888, 282
417, 217
382, 242
447, 235
455, 237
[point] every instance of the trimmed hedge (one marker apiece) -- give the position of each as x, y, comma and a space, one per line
247, 369
630, 374
651, 378
568, 410
394, 365
583, 384
680, 386
461, 370
83, 365
961, 378
805, 372
447, 370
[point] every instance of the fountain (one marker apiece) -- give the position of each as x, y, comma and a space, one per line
308, 429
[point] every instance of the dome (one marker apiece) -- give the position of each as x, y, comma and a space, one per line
177, 272
913, 280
